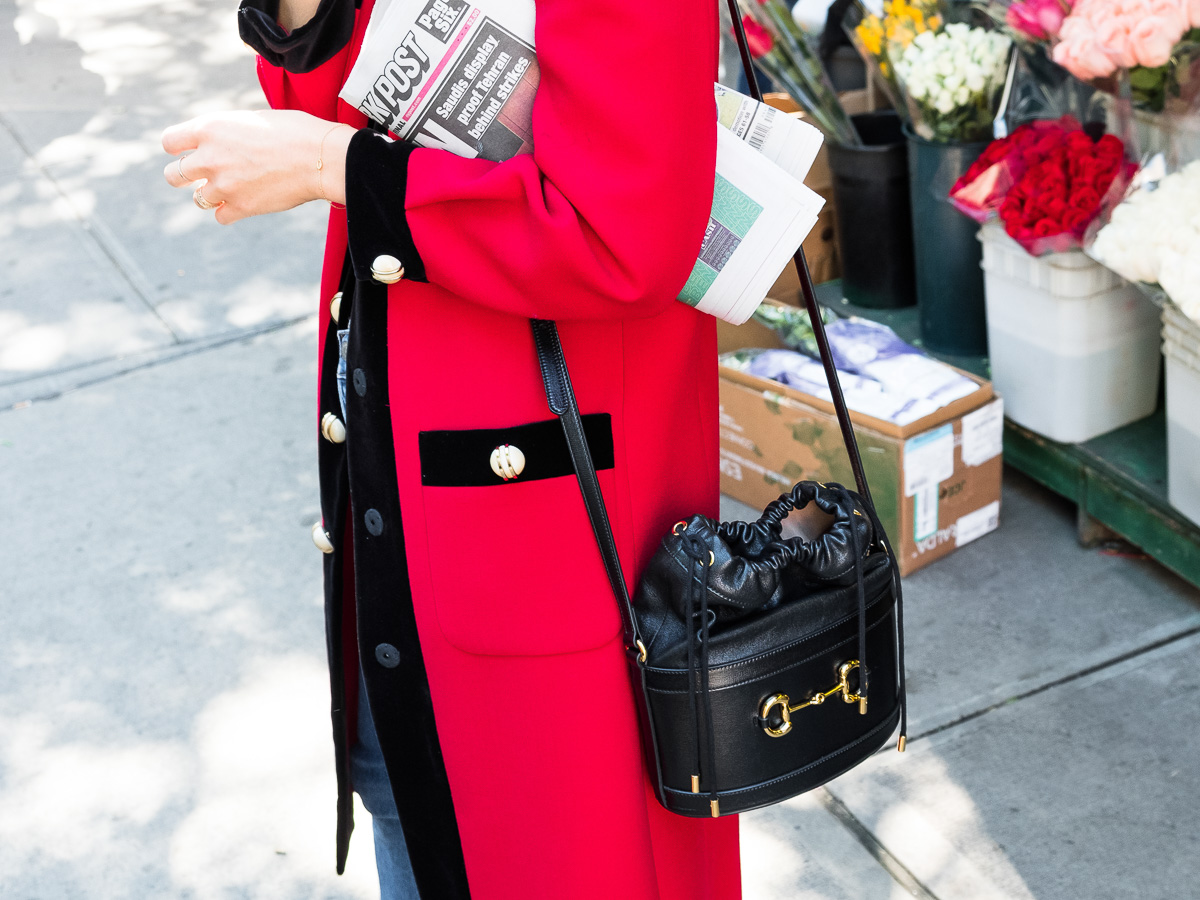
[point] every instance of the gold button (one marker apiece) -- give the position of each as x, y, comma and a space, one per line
508, 461
332, 428
335, 306
387, 269
321, 539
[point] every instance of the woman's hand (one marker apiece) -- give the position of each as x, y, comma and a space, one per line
259, 162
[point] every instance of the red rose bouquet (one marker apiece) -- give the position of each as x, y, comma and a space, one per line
1047, 181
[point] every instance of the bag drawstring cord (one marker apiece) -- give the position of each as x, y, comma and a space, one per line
863, 669
691, 660
701, 557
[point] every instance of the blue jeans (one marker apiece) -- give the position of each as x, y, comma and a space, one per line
371, 782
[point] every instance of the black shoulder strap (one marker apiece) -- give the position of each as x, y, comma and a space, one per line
810, 297
561, 399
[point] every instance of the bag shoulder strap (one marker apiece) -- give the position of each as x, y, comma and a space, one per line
561, 398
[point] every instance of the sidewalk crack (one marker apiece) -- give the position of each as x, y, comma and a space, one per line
899, 872
101, 237
180, 350
1066, 679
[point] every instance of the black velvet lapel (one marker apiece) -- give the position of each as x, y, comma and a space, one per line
397, 683
335, 500
309, 46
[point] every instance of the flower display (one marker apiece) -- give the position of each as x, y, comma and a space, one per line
782, 51
1154, 44
951, 79
981, 189
1047, 181
1052, 204
758, 39
1154, 237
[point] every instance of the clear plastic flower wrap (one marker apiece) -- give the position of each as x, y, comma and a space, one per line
1152, 236
1041, 88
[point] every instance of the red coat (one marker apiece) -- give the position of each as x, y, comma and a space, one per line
518, 629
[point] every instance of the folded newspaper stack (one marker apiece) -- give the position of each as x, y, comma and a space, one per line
461, 75
880, 374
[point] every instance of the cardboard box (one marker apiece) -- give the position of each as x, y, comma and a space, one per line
935, 482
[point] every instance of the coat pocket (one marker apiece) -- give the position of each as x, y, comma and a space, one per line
514, 564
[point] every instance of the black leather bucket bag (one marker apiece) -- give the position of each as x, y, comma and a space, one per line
761, 652
762, 665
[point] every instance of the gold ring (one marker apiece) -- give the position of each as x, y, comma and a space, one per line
201, 201
179, 165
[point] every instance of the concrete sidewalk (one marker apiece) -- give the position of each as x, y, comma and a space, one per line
163, 726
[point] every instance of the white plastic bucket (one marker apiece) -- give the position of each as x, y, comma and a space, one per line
1074, 348
1181, 346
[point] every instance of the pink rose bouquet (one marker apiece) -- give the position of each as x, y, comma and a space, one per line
1101, 36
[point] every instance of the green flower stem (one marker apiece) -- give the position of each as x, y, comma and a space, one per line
800, 71
787, 77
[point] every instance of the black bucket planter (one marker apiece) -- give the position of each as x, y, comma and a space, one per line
874, 216
948, 253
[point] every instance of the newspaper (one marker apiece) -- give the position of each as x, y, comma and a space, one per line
461, 75
880, 374
760, 215
871, 359
786, 141
447, 74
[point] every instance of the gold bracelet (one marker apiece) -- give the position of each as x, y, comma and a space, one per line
321, 163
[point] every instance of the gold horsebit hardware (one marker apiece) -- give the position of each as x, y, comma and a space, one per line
783, 702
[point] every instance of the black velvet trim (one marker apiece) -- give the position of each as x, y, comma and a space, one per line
376, 184
463, 458
311, 45
335, 500
398, 692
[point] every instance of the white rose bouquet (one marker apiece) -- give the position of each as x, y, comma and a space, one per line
952, 80
1154, 237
